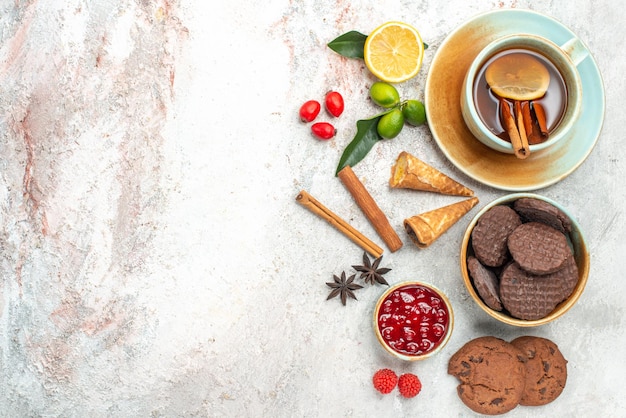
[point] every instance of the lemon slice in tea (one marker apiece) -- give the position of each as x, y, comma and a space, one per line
518, 76
394, 52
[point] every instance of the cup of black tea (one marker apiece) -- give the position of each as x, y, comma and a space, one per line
523, 93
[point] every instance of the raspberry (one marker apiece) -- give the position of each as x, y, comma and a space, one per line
409, 385
385, 380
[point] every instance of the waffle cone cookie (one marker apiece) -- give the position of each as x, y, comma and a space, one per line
410, 172
424, 229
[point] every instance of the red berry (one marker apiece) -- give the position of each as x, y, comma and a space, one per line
323, 130
385, 380
409, 385
309, 110
334, 103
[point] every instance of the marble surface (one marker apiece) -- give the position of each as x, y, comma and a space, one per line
154, 261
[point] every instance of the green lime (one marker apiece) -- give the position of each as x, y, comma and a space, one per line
414, 112
390, 124
384, 94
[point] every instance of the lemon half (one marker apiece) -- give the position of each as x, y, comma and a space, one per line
394, 52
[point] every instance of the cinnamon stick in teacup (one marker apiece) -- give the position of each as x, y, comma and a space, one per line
369, 207
540, 114
528, 120
521, 125
510, 126
530, 125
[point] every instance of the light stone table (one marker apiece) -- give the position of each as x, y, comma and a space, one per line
154, 262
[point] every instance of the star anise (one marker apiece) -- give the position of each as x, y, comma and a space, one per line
370, 271
344, 287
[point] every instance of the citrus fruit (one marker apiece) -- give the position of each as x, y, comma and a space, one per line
384, 94
414, 112
390, 124
518, 76
393, 52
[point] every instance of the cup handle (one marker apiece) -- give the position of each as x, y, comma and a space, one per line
575, 49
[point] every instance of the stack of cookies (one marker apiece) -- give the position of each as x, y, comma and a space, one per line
496, 376
522, 262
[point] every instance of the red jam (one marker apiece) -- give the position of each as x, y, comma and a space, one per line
413, 320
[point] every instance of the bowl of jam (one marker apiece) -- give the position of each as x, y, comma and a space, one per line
413, 320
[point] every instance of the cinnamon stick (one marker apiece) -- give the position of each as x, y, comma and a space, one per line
510, 126
309, 202
519, 117
531, 125
369, 207
540, 114
528, 119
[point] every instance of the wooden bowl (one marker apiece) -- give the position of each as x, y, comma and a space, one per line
578, 245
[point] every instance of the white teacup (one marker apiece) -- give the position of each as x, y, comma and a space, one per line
565, 58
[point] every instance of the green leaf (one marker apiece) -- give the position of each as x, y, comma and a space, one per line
365, 138
350, 44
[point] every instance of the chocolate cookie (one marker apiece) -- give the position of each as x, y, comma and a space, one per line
567, 277
546, 370
490, 235
535, 210
485, 282
492, 375
530, 297
538, 248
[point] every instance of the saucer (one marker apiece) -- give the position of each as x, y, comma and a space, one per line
443, 108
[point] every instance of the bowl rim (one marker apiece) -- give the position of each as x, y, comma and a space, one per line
442, 342
582, 261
